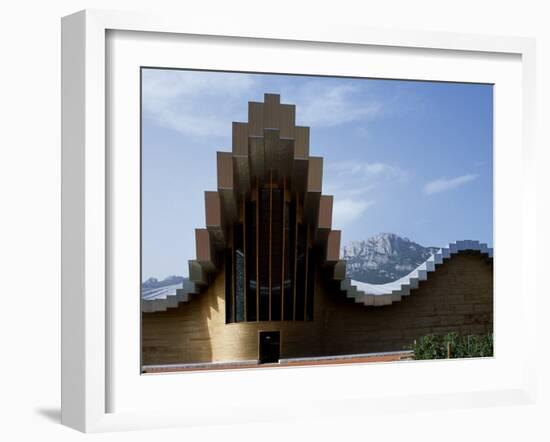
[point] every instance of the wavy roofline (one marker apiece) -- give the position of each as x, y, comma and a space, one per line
363, 293
388, 293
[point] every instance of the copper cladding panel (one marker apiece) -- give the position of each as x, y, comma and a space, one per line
288, 121
212, 209
285, 157
315, 175
271, 149
229, 205
325, 212
299, 176
257, 158
241, 169
240, 138
301, 148
272, 111
204, 250
333, 246
311, 207
225, 170
255, 119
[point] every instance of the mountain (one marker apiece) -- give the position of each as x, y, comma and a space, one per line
384, 258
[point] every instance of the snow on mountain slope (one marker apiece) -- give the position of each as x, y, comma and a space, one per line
383, 258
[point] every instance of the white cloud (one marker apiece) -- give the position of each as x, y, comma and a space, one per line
355, 185
349, 191
196, 103
444, 184
319, 106
366, 169
347, 210
205, 103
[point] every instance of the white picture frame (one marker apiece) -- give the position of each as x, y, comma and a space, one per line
87, 319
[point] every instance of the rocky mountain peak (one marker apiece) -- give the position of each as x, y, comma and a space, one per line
383, 258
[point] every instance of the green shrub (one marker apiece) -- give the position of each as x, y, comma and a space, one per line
452, 345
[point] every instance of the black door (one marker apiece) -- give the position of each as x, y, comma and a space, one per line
269, 347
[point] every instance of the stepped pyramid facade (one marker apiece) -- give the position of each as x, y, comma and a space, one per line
268, 282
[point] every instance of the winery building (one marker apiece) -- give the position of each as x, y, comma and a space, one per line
268, 283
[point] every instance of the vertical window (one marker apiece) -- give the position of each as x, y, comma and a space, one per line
264, 227
276, 252
228, 286
239, 273
300, 272
270, 269
251, 283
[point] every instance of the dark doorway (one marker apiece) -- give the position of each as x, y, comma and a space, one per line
269, 347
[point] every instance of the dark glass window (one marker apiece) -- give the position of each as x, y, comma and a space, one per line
300, 272
264, 252
228, 286
276, 253
310, 285
290, 241
239, 273
251, 284
271, 270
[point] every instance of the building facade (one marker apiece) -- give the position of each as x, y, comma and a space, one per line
268, 282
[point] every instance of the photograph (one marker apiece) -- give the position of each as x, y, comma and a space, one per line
299, 220
278, 221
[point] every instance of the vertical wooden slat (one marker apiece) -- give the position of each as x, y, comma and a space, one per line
301, 147
305, 273
270, 236
283, 253
295, 257
244, 252
272, 151
257, 250
233, 303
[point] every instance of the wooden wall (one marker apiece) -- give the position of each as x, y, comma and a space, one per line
457, 297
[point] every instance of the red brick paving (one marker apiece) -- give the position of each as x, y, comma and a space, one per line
221, 366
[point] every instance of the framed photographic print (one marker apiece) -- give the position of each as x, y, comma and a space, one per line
276, 223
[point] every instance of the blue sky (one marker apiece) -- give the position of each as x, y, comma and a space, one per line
408, 157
